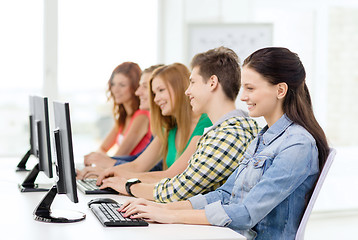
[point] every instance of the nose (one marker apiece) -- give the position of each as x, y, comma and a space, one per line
139, 91
187, 91
156, 98
243, 96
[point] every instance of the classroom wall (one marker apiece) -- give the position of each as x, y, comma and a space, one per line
323, 33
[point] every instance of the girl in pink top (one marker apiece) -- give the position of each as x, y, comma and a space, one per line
144, 141
131, 131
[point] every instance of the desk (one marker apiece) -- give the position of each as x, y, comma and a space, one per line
17, 223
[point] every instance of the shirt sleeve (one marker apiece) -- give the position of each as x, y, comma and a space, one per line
217, 156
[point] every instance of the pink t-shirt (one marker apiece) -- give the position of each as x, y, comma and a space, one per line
144, 141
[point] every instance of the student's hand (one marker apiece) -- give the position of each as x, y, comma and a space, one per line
98, 159
150, 212
131, 203
89, 172
117, 183
109, 172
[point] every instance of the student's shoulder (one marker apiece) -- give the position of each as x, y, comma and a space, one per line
236, 127
241, 122
298, 134
141, 112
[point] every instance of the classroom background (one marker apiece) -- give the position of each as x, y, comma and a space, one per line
67, 49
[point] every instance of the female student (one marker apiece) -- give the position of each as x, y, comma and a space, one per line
267, 194
175, 127
143, 93
131, 131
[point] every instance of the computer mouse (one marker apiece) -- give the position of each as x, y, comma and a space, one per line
101, 200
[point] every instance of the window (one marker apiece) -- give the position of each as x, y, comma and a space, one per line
93, 40
21, 72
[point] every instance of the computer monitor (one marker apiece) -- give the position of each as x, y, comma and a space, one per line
21, 166
40, 144
65, 169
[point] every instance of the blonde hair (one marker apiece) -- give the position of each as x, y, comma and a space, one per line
176, 76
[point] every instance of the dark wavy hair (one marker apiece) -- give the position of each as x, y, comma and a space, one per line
280, 65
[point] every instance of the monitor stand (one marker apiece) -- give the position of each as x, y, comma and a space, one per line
29, 183
43, 212
21, 166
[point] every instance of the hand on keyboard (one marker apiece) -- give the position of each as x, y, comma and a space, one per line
108, 214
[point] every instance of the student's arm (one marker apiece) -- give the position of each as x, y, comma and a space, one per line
146, 161
136, 132
161, 215
178, 166
177, 212
109, 140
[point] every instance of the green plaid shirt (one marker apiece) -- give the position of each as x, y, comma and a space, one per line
218, 154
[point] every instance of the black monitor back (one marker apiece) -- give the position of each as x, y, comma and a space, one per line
41, 134
66, 183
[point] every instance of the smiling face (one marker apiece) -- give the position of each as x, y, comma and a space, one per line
120, 88
197, 91
260, 96
143, 92
163, 96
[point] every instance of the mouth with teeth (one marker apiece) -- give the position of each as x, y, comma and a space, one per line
250, 106
162, 105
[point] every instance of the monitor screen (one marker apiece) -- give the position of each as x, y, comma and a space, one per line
40, 143
65, 169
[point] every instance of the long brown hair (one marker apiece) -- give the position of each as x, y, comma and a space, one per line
133, 72
279, 65
176, 76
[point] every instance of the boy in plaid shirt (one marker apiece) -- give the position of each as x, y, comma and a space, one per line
214, 86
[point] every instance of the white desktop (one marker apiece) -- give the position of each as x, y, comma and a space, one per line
17, 216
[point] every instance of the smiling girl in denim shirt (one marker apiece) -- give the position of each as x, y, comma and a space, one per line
266, 196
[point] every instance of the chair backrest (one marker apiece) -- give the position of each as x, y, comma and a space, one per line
301, 229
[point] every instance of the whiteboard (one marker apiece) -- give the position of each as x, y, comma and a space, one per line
244, 38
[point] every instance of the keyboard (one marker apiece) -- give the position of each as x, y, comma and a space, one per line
88, 186
108, 215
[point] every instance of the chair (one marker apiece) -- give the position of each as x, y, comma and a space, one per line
301, 229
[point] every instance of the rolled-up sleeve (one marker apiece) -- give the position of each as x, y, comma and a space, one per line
198, 201
216, 215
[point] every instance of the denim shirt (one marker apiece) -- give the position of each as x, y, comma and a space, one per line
267, 194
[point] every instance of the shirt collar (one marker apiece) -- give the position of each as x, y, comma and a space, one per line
271, 133
231, 114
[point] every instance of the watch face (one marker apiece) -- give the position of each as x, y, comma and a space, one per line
133, 180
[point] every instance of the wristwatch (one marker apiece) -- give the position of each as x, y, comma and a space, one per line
129, 183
